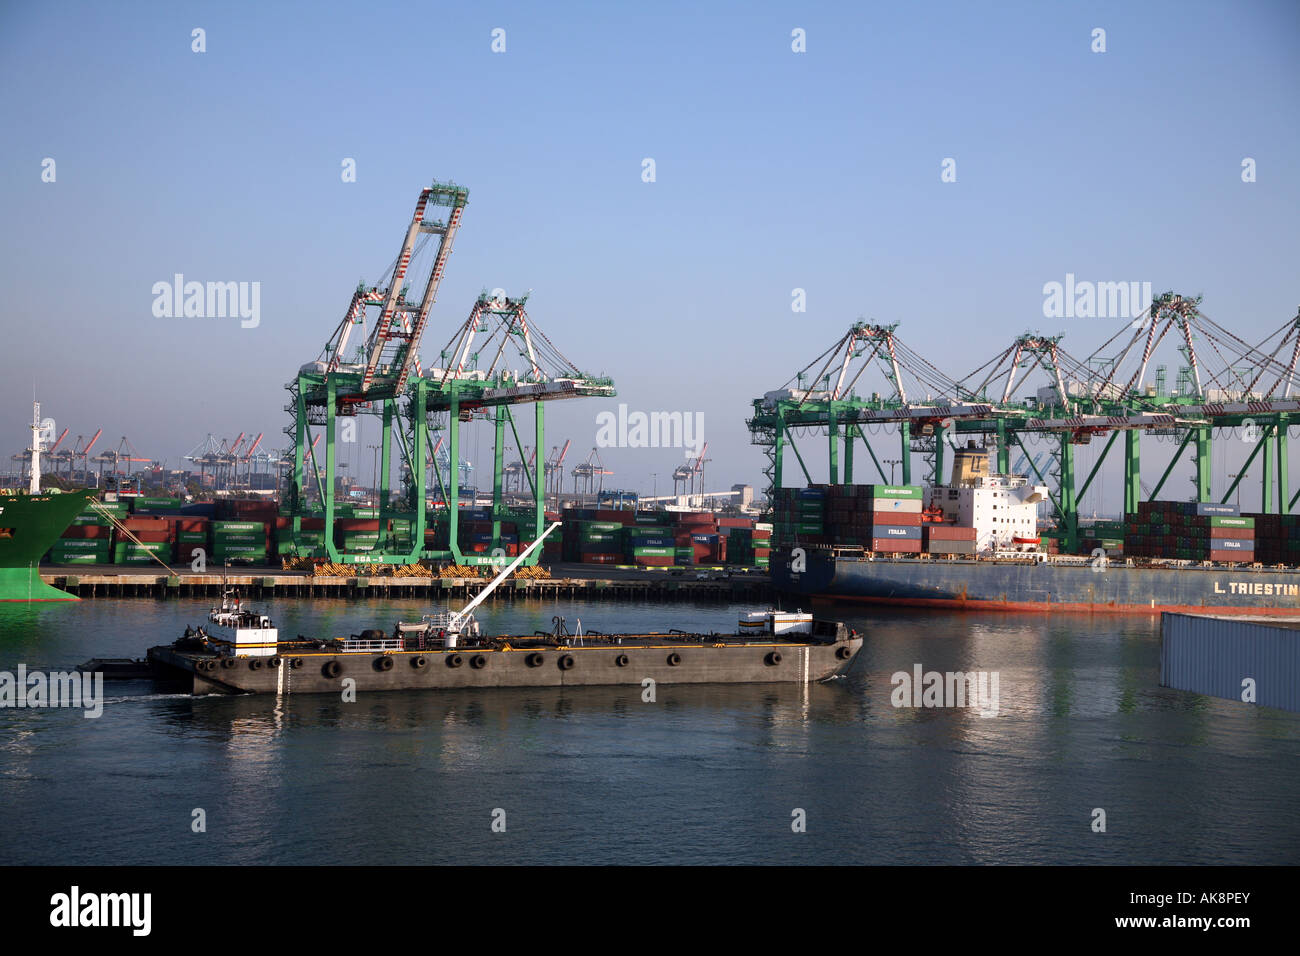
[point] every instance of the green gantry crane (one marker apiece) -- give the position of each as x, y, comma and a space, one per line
1248, 387
384, 378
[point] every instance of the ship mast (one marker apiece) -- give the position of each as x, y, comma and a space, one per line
35, 484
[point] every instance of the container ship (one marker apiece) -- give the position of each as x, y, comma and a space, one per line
30, 521
974, 544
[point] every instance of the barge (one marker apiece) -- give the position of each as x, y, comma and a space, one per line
240, 651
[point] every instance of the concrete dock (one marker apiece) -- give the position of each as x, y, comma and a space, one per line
566, 582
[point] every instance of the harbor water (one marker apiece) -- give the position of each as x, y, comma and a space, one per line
823, 773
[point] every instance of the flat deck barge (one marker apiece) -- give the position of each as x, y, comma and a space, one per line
516, 661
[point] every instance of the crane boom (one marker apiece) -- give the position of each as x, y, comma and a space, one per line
459, 617
391, 350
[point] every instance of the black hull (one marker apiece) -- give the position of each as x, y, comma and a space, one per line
316, 673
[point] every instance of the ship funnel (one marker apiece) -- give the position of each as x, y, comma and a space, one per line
969, 465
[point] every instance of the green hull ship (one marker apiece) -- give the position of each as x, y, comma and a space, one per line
29, 524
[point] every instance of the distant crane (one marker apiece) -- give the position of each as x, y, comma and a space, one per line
82, 451
685, 475
555, 470
247, 460
516, 472
439, 454
124, 454
591, 473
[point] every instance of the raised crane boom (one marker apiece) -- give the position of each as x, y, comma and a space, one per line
391, 350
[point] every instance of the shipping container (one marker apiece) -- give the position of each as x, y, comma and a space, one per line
1221, 657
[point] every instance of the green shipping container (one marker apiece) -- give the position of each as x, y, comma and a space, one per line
91, 519
82, 544
220, 527
1219, 522
158, 503
154, 546
77, 557
238, 537
239, 549
896, 491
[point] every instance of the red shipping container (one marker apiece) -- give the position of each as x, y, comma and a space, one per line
147, 524
735, 523
948, 532
1241, 534
906, 518
87, 531
694, 518
148, 535
355, 524
1245, 557
896, 545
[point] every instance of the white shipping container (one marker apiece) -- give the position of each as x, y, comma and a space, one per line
897, 505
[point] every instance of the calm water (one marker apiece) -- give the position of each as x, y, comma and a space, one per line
704, 775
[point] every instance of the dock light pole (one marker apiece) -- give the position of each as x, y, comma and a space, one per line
1243, 476
891, 462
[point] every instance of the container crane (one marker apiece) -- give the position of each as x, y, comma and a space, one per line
515, 472
555, 470
82, 452
385, 378
685, 475
591, 473
1224, 382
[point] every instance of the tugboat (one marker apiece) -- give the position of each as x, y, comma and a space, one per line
447, 649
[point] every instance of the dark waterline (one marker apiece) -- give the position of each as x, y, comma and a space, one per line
702, 775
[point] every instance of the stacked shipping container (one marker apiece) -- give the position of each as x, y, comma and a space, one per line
1190, 531
888, 519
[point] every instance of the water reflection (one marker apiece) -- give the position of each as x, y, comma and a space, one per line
703, 774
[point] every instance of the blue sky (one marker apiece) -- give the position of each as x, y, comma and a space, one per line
775, 171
